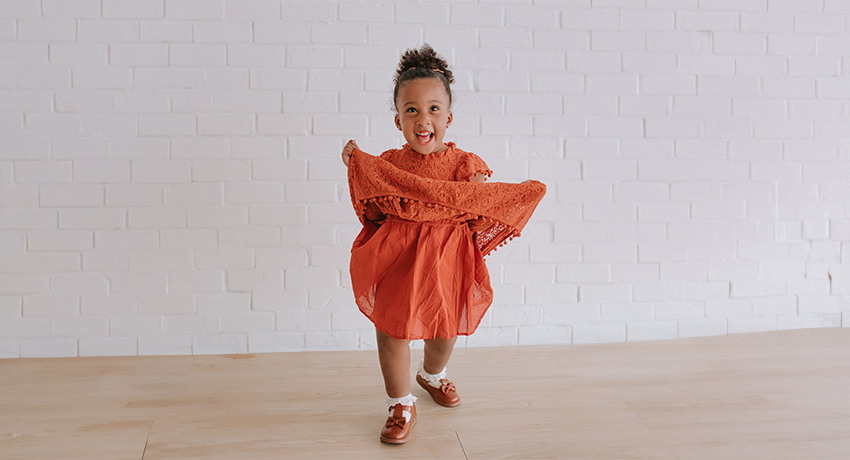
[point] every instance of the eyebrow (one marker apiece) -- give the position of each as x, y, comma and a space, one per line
432, 101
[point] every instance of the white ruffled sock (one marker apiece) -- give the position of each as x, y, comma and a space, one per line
404, 401
432, 379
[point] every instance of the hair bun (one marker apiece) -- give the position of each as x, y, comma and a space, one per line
424, 58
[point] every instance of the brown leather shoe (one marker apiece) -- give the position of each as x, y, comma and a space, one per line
445, 396
397, 428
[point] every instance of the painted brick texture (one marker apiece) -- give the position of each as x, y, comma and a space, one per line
170, 179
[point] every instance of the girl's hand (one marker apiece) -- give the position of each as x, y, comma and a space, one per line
480, 224
348, 150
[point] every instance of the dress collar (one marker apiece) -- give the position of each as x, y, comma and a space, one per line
450, 145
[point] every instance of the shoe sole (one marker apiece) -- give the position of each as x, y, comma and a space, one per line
400, 441
422, 383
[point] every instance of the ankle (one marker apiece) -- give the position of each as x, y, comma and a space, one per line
404, 400
408, 400
432, 379
427, 371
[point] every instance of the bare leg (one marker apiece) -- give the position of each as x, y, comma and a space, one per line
437, 354
394, 355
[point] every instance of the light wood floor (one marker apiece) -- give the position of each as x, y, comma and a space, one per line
776, 395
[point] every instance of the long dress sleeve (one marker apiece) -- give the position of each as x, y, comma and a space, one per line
504, 207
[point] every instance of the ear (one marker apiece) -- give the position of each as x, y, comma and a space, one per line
397, 122
449, 123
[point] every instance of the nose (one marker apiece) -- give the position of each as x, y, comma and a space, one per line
423, 119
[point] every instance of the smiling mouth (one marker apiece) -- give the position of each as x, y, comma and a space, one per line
424, 137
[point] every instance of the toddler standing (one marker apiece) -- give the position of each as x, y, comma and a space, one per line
417, 267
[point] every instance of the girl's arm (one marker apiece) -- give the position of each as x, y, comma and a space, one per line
479, 224
374, 214
348, 150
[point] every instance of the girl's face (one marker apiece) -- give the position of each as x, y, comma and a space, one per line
423, 114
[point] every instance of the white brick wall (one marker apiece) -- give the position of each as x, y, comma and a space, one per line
170, 182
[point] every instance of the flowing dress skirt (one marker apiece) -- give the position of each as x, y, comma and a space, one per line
420, 280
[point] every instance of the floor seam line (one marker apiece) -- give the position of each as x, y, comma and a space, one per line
653, 432
148, 437
186, 378
461, 445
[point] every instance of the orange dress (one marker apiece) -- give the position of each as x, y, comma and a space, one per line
417, 269
421, 280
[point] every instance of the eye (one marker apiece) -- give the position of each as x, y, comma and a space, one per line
410, 110
435, 108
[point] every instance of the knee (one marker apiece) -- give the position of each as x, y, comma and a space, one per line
439, 342
388, 343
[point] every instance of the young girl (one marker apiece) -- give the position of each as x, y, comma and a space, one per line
417, 267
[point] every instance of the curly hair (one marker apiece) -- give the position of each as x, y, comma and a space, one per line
422, 63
